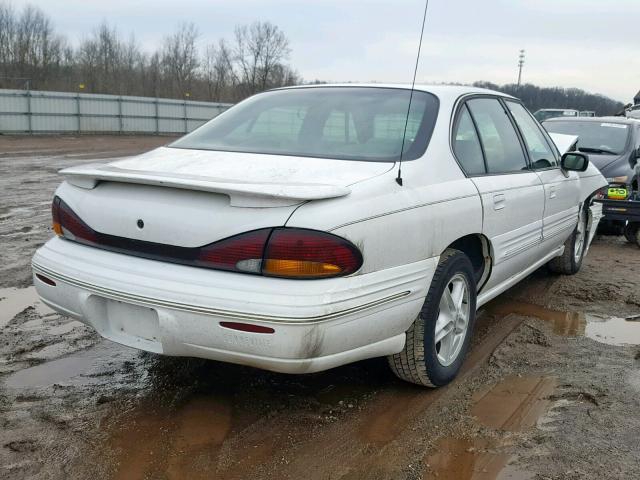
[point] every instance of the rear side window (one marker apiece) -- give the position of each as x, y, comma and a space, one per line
466, 144
540, 153
502, 147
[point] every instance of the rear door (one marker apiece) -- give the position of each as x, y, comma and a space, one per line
561, 189
512, 195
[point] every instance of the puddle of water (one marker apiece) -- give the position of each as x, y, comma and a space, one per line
568, 324
80, 368
15, 300
172, 443
613, 331
466, 459
514, 404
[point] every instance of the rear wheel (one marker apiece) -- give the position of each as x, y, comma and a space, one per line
570, 261
438, 339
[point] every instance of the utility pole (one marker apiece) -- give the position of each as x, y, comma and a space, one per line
520, 65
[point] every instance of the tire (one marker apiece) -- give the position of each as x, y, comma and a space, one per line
631, 232
570, 261
423, 361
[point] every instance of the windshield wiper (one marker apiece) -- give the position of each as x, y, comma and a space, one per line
597, 150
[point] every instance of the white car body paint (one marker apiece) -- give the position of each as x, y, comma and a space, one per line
564, 142
319, 324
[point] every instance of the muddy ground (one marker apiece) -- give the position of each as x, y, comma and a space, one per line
550, 389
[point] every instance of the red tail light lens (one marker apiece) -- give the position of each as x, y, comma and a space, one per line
67, 224
240, 253
283, 252
275, 252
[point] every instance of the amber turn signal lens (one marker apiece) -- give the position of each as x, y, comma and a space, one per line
57, 229
299, 268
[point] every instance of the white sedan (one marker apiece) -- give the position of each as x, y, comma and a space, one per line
302, 229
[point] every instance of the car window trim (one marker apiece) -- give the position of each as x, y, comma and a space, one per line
462, 102
500, 101
514, 124
545, 135
464, 107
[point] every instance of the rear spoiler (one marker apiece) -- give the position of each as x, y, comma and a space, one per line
241, 193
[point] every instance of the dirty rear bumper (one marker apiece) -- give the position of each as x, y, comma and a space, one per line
178, 310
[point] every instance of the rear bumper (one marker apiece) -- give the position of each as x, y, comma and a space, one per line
177, 310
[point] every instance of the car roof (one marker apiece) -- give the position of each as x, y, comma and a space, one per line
621, 120
444, 92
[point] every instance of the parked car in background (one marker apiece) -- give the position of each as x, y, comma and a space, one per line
633, 112
282, 234
587, 113
613, 145
547, 113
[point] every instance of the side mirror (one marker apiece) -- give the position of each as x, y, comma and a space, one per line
574, 161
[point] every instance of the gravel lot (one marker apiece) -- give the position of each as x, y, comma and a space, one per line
548, 390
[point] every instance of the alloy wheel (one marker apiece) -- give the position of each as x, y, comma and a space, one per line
453, 320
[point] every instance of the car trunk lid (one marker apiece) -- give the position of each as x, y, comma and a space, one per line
192, 198
249, 180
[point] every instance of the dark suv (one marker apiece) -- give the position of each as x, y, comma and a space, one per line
613, 145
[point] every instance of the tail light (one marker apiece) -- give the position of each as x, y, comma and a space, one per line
300, 253
274, 252
283, 252
67, 224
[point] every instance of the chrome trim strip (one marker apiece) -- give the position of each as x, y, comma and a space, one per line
156, 302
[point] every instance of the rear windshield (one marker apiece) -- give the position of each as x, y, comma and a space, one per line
346, 123
601, 137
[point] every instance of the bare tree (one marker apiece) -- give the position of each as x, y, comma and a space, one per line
217, 69
7, 41
152, 76
259, 49
180, 58
30, 48
131, 69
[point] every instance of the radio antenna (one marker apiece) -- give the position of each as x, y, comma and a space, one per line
413, 84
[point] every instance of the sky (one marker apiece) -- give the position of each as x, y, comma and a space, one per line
588, 44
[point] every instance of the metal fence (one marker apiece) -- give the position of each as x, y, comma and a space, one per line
26, 111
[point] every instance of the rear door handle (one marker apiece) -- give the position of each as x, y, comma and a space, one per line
552, 192
499, 201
